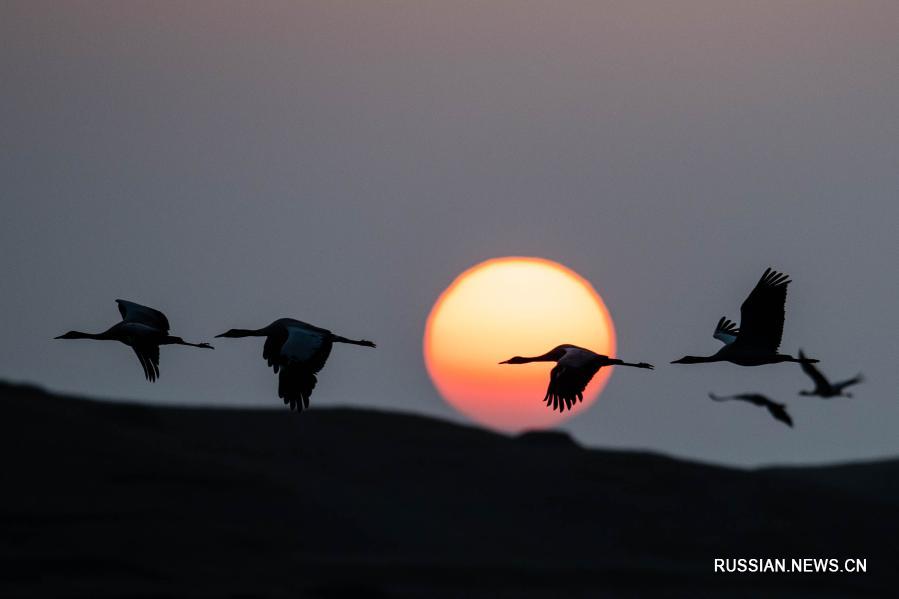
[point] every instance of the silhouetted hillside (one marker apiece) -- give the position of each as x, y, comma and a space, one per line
110, 500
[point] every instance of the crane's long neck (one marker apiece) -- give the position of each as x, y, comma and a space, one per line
81, 335
698, 359
550, 356
237, 333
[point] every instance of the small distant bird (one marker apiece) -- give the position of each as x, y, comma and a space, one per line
823, 387
142, 329
777, 410
575, 367
296, 351
757, 340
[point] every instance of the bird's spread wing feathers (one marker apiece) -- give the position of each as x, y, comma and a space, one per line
569, 378
295, 384
271, 350
148, 355
133, 312
762, 314
726, 331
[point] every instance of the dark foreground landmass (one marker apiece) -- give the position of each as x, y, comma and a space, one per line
112, 500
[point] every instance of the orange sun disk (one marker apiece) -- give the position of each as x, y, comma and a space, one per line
506, 307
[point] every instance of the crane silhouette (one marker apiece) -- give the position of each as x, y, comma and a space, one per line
757, 340
575, 367
777, 410
823, 387
143, 329
296, 351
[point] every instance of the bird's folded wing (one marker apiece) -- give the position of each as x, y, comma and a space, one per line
762, 314
133, 312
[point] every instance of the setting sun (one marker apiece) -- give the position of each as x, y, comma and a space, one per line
506, 307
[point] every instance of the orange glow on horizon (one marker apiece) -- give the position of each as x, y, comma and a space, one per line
506, 307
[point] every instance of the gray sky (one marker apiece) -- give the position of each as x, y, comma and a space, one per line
342, 162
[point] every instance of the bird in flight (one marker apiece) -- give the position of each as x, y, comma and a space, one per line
777, 410
758, 337
823, 387
143, 329
574, 368
296, 351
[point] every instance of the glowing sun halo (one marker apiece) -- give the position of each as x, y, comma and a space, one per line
508, 307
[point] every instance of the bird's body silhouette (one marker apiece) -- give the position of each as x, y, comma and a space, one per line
575, 367
143, 329
757, 340
296, 351
823, 387
777, 410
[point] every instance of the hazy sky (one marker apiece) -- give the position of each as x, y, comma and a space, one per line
342, 162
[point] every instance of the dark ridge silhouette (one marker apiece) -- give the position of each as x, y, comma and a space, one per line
777, 410
143, 329
575, 367
107, 500
823, 387
548, 439
757, 340
296, 351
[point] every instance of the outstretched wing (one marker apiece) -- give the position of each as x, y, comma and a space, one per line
726, 331
303, 353
762, 314
779, 412
148, 355
569, 378
271, 350
306, 346
853, 381
132, 312
820, 381
295, 385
